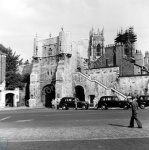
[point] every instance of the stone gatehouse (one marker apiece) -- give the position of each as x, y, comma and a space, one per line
86, 69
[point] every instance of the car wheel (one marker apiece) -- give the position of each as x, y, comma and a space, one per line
64, 107
103, 107
125, 107
83, 107
86, 107
142, 106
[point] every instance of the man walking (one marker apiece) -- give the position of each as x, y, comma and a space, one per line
134, 107
76, 103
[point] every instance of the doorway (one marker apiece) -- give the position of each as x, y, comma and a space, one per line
9, 100
49, 93
80, 93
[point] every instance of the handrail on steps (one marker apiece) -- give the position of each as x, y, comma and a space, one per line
100, 84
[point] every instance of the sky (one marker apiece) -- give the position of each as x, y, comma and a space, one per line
22, 19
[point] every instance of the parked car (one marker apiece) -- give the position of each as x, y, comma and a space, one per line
112, 101
143, 101
69, 102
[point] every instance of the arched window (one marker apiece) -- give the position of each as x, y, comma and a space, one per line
36, 50
50, 51
98, 50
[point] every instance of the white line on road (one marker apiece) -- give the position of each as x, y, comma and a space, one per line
5, 118
80, 139
24, 120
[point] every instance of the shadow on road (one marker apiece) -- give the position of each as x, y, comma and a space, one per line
118, 125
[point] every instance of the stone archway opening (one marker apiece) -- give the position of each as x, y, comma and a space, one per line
9, 100
49, 93
80, 93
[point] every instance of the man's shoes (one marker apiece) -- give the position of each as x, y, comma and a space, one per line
130, 126
139, 127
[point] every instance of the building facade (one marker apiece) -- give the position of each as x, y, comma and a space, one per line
54, 61
86, 69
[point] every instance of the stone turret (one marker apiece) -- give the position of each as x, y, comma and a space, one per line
64, 42
37, 47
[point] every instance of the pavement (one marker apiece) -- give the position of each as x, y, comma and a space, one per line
109, 144
18, 108
110, 131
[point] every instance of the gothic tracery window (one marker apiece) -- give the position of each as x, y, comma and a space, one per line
98, 50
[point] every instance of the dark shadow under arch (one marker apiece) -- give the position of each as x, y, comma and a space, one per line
49, 93
80, 93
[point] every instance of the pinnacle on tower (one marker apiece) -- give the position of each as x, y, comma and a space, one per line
102, 32
98, 32
50, 35
62, 28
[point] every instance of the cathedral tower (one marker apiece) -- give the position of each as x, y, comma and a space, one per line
96, 44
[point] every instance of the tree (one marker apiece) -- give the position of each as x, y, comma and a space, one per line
13, 79
12, 60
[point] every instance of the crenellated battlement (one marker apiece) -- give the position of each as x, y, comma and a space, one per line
112, 45
138, 52
146, 52
109, 45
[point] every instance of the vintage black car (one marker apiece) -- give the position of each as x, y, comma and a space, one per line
69, 102
143, 101
106, 102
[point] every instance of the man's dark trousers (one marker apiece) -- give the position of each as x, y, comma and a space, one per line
134, 117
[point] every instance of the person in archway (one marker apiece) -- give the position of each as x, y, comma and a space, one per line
53, 103
57, 101
134, 107
76, 103
95, 102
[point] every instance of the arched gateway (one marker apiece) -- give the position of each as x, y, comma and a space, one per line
49, 94
80, 93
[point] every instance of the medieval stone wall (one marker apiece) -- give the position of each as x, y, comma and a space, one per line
35, 91
125, 66
50, 47
137, 70
139, 58
106, 76
134, 85
146, 60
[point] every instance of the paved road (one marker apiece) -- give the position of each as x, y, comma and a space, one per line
71, 129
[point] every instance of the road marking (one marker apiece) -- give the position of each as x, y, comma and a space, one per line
81, 139
5, 118
24, 120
